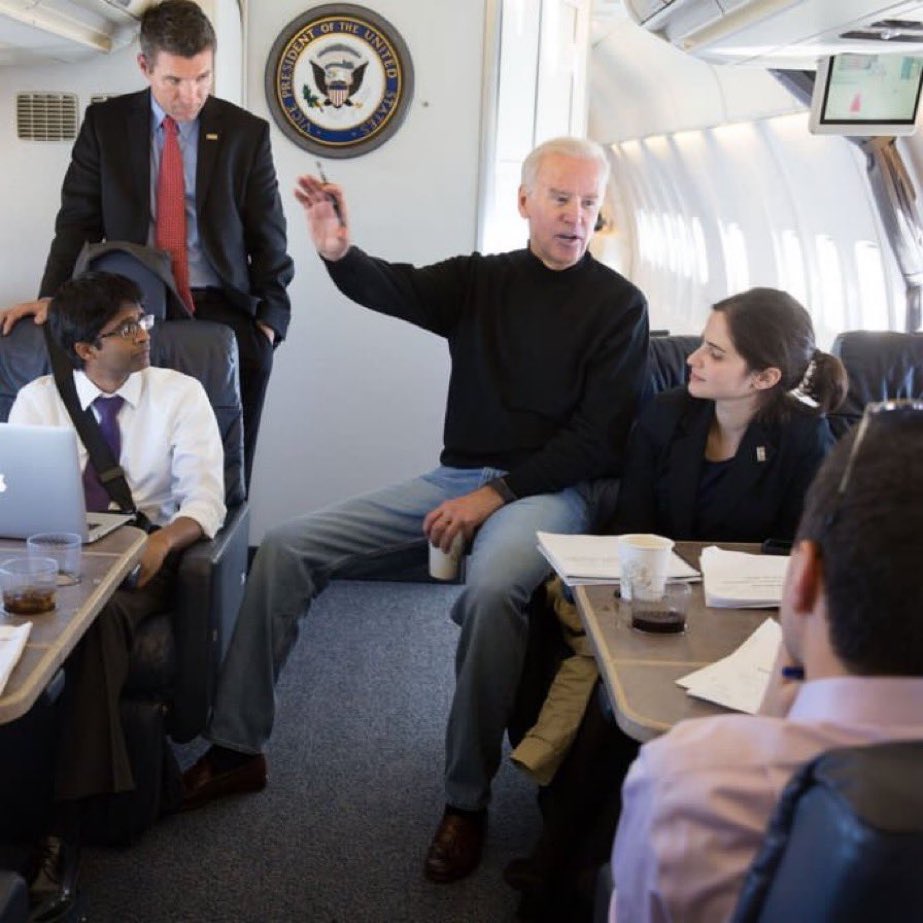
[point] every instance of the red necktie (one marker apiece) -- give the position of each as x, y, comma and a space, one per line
171, 210
97, 497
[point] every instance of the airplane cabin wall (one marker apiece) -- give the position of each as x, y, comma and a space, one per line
718, 186
356, 399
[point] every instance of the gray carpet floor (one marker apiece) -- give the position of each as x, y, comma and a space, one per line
355, 790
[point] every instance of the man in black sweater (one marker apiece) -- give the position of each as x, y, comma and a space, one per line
549, 357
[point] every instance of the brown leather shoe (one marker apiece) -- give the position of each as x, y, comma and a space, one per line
202, 783
456, 848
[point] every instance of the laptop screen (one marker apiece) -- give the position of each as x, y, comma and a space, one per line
41, 489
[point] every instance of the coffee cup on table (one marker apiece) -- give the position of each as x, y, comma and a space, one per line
444, 565
644, 561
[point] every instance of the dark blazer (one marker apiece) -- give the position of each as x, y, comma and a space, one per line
760, 495
107, 195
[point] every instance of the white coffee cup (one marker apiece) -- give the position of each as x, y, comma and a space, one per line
644, 560
442, 565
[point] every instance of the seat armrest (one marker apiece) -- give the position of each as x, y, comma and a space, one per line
209, 590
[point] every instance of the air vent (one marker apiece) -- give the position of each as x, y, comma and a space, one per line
888, 30
46, 116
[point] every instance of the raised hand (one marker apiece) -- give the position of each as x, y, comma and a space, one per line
325, 208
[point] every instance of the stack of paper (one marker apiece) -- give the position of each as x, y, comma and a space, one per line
595, 559
736, 580
739, 680
12, 642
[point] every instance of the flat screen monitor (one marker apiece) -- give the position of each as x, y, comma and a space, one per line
866, 94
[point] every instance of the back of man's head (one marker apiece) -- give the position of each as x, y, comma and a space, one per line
578, 148
177, 27
83, 306
870, 538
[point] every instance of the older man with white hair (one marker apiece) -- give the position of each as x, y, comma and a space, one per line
549, 357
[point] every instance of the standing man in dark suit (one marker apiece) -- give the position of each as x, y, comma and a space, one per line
234, 267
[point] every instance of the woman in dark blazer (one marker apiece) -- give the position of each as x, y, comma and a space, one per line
729, 457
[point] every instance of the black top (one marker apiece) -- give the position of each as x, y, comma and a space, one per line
547, 366
760, 492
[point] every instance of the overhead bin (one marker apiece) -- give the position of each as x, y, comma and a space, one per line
782, 33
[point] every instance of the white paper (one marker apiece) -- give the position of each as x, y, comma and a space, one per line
12, 643
737, 580
583, 559
739, 680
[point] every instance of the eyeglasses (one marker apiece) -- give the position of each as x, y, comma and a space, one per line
880, 410
131, 328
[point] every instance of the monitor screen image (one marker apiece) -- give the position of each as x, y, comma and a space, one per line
866, 94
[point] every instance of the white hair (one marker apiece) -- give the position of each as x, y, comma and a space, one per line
579, 148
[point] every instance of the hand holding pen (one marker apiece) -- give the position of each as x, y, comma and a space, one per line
330, 196
784, 682
325, 208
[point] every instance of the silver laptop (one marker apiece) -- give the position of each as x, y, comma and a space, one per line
41, 488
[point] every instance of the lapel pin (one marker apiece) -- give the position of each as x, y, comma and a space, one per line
761, 453
211, 136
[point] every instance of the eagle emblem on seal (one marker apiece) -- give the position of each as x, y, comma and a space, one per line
338, 74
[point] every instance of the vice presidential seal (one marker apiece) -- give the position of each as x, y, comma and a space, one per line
339, 80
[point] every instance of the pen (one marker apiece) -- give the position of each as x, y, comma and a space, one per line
793, 672
332, 198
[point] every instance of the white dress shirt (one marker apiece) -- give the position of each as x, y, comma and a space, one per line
171, 448
697, 801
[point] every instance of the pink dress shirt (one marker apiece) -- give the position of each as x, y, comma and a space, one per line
696, 801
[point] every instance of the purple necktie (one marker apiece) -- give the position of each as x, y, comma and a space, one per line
97, 496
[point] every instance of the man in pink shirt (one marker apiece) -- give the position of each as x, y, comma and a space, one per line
697, 801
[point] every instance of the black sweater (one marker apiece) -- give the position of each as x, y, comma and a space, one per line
547, 366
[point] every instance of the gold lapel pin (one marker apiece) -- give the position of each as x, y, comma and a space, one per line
211, 136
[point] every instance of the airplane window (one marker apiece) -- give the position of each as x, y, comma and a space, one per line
873, 293
833, 297
791, 270
736, 266
701, 254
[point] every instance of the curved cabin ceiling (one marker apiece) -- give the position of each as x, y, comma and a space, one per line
641, 85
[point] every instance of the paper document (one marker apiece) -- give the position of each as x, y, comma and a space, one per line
12, 642
739, 680
737, 580
581, 559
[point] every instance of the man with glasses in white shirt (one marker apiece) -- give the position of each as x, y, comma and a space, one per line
170, 450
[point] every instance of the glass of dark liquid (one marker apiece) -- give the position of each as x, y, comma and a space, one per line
28, 585
662, 613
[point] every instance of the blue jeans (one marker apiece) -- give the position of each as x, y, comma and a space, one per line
363, 535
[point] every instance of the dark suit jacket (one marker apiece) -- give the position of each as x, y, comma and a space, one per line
760, 495
107, 195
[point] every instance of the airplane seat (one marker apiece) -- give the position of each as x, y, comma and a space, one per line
881, 366
177, 655
22, 358
845, 842
14, 898
667, 361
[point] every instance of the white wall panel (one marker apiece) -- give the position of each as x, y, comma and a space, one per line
356, 399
